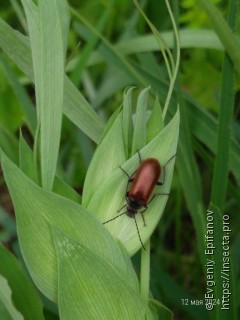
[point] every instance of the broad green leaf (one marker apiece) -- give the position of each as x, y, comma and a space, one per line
63, 189
27, 165
6, 299
108, 156
91, 288
110, 196
36, 211
24, 295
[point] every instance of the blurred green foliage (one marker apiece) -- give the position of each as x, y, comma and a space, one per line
175, 260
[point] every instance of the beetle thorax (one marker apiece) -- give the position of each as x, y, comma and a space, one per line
133, 207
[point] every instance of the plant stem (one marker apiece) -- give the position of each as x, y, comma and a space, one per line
145, 271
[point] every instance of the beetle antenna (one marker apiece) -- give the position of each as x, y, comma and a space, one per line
170, 159
115, 217
138, 233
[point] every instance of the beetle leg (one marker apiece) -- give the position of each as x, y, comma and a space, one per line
130, 179
115, 217
160, 183
124, 172
143, 216
138, 232
122, 207
160, 194
157, 194
139, 155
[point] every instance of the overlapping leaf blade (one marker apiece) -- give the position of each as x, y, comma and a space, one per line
90, 288
36, 210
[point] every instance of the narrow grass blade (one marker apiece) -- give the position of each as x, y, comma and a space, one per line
109, 51
155, 123
75, 106
127, 121
205, 124
229, 39
25, 102
49, 84
86, 52
220, 175
6, 299
139, 131
9, 144
26, 161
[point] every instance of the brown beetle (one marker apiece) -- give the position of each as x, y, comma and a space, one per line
145, 179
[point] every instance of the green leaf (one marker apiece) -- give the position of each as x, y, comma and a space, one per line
139, 131
5, 298
47, 45
155, 123
36, 211
4, 313
189, 38
24, 100
127, 121
91, 288
108, 50
87, 50
8, 143
63, 189
108, 156
8, 227
75, 106
48, 66
109, 197
26, 161
221, 166
49, 87
24, 295
224, 32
